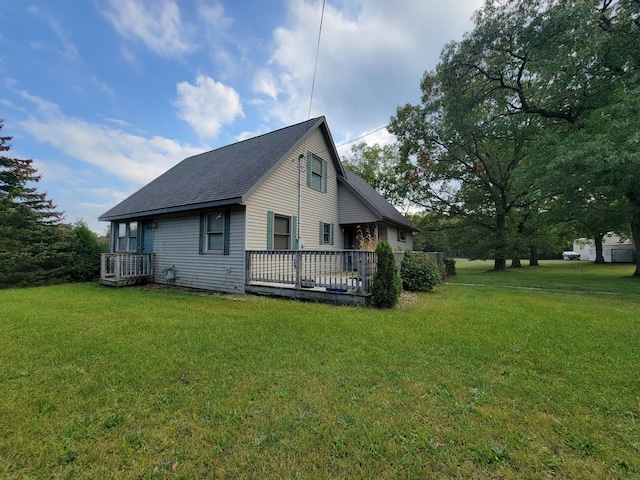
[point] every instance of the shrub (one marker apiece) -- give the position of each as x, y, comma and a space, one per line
450, 267
83, 251
419, 273
387, 285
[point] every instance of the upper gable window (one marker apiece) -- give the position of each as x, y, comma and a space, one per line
316, 172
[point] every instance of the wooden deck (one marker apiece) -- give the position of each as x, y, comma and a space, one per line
340, 276
124, 282
124, 269
316, 294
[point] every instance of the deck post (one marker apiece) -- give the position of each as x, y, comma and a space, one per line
363, 273
298, 264
116, 267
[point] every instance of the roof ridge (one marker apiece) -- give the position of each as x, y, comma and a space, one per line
310, 121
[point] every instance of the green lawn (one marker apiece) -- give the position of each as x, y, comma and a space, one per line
577, 276
463, 382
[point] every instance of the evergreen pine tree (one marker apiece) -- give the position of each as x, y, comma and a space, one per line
31, 226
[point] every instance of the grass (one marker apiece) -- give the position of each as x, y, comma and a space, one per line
464, 382
580, 276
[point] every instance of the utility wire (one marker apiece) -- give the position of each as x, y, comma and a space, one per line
315, 67
362, 136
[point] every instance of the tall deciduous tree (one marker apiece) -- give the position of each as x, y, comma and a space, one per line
465, 157
545, 65
379, 166
574, 65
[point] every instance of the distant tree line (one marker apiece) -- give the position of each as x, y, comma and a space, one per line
36, 246
526, 135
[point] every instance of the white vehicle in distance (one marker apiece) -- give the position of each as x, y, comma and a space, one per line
570, 255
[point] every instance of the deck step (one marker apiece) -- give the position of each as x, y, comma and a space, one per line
124, 282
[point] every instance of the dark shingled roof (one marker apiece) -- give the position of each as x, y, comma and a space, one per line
376, 202
220, 177
228, 175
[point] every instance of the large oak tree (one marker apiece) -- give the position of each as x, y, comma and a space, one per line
545, 66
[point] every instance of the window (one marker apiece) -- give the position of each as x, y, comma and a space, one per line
281, 233
326, 233
316, 173
127, 240
402, 236
214, 232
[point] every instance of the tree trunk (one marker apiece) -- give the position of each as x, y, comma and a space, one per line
500, 262
500, 257
635, 230
598, 243
515, 262
533, 259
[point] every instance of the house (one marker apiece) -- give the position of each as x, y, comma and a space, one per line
278, 211
615, 249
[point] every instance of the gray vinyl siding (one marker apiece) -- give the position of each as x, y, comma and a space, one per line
177, 244
279, 194
392, 238
352, 210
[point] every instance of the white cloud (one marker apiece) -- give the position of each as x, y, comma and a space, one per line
207, 105
372, 56
156, 23
214, 16
265, 83
131, 157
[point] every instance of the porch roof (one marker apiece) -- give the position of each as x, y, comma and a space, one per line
375, 202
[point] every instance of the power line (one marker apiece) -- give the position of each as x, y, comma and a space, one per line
362, 136
315, 67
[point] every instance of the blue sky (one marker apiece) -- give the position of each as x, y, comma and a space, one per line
105, 95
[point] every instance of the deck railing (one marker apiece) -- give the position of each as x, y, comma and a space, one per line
120, 266
336, 270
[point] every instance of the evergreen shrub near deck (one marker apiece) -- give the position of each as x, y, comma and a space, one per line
387, 284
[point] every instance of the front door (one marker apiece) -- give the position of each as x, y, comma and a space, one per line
348, 245
147, 236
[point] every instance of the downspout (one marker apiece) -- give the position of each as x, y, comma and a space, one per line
298, 246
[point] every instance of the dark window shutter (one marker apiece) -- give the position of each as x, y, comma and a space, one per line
227, 233
321, 233
203, 233
294, 233
270, 219
332, 234
309, 167
324, 176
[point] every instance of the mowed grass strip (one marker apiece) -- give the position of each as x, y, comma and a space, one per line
468, 382
578, 276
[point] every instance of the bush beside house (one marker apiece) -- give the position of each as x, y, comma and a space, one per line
419, 272
387, 284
